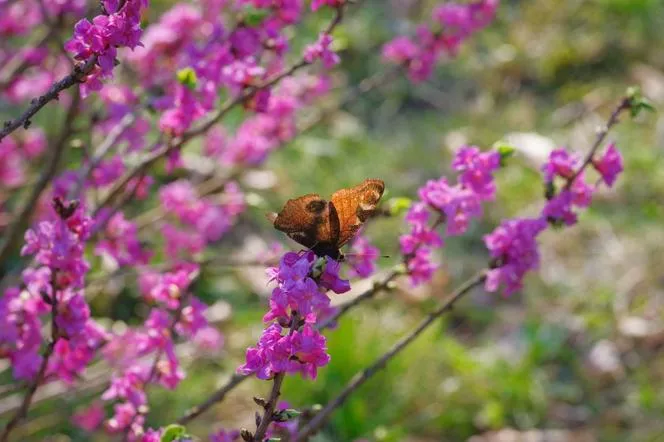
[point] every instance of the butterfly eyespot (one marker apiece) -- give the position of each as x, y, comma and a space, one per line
316, 206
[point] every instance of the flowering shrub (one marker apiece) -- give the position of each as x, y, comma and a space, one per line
147, 89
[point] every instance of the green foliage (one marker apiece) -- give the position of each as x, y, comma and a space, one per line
174, 433
187, 77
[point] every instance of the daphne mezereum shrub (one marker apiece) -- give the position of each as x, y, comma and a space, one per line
143, 86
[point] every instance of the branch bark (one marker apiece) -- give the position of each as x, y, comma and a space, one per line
78, 74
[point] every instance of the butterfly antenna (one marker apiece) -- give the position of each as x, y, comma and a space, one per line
351, 255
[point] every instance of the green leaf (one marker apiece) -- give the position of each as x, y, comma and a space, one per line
637, 102
187, 77
287, 414
504, 150
253, 16
399, 205
174, 433
274, 439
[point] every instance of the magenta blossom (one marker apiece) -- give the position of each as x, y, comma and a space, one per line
363, 257
514, 247
89, 418
476, 169
321, 50
453, 24
610, 165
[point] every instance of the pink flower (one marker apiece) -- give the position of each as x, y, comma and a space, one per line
125, 414
400, 50
225, 436
363, 257
514, 247
477, 170
309, 350
89, 418
420, 267
561, 163
330, 278
121, 242
104, 35
12, 166
610, 165
559, 208
455, 22
459, 204
321, 50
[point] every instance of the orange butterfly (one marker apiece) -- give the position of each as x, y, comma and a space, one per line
325, 226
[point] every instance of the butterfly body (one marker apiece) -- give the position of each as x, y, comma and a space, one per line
325, 226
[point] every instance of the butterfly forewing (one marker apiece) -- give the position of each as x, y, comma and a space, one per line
355, 205
307, 220
301, 214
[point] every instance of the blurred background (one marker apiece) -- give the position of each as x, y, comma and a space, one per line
577, 356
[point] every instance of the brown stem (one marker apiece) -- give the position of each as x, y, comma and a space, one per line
625, 104
270, 408
271, 404
321, 417
366, 295
41, 373
77, 75
214, 398
105, 147
13, 232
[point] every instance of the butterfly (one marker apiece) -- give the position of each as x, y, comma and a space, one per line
325, 226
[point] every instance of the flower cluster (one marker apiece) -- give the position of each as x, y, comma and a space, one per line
15, 153
219, 59
120, 242
298, 302
203, 220
362, 257
321, 50
120, 26
148, 355
455, 205
453, 24
513, 244
54, 287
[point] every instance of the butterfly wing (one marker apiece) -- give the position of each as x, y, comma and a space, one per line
306, 220
354, 206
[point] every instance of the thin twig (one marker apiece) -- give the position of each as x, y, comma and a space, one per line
214, 398
271, 404
624, 105
41, 374
105, 146
77, 76
12, 234
268, 414
19, 64
366, 295
321, 417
